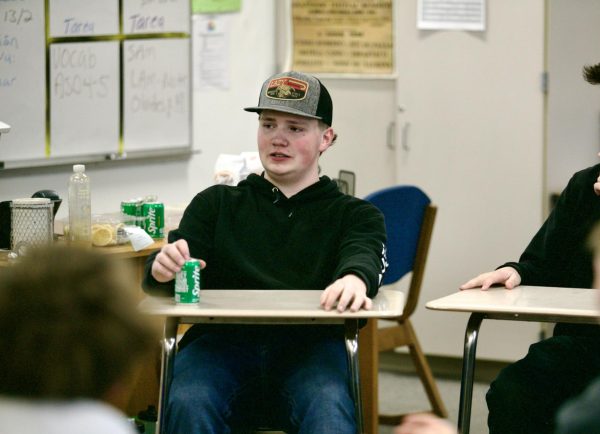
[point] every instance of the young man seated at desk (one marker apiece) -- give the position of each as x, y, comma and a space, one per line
70, 337
286, 229
525, 396
579, 415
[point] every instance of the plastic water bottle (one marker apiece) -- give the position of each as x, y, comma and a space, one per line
80, 208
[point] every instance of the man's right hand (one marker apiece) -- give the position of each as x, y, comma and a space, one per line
170, 259
507, 276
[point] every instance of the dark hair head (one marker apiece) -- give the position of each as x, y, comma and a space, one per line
591, 73
69, 325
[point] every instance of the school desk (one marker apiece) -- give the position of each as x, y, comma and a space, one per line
266, 307
524, 303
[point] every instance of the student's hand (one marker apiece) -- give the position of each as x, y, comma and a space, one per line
424, 424
350, 292
507, 276
170, 259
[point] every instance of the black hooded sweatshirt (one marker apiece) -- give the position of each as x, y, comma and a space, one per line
253, 237
558, 254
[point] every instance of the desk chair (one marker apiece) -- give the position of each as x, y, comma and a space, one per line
409, 218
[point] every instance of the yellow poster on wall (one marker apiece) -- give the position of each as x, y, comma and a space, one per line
344, 37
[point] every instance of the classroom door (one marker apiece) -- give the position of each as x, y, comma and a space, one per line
469, 128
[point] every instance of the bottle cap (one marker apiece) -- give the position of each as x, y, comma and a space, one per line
79, 168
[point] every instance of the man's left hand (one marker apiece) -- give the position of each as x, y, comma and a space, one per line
350, 293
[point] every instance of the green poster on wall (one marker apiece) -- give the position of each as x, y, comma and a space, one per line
215, 6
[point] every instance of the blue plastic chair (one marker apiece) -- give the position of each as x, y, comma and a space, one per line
409, 218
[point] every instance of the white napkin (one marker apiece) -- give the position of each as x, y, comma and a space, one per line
138, 237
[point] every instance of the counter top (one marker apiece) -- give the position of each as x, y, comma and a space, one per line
123, 251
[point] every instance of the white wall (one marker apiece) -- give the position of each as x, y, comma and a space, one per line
362, 113
475, 108
573, 104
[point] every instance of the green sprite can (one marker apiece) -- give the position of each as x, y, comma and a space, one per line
187, 283
154, 219
131, 210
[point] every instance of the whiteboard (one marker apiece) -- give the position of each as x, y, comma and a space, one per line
69, 18
64, 88
22, 78
156, 87
156, 16
84, 98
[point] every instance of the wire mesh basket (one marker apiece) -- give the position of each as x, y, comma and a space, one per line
31, 223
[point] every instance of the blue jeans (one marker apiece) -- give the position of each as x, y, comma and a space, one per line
231, 379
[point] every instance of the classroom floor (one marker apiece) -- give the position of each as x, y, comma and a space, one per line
404, 392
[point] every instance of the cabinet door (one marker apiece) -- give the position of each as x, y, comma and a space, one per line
469, 131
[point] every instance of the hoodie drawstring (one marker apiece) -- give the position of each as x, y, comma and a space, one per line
276, 195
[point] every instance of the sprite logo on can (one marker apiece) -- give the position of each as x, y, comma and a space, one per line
152, 227
154, 215
187, 283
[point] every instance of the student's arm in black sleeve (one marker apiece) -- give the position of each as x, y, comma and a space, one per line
562, 235
362, 250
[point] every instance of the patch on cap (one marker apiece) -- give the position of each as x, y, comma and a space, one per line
286, 88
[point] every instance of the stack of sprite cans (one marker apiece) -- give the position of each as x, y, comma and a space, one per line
146, 213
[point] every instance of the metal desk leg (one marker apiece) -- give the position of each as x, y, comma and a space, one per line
351, 339
169, 347
468, 371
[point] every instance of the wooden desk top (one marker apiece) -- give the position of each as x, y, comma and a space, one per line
269, 304
526, 303
123, 251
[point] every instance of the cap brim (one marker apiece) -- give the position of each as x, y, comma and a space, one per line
282, 109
